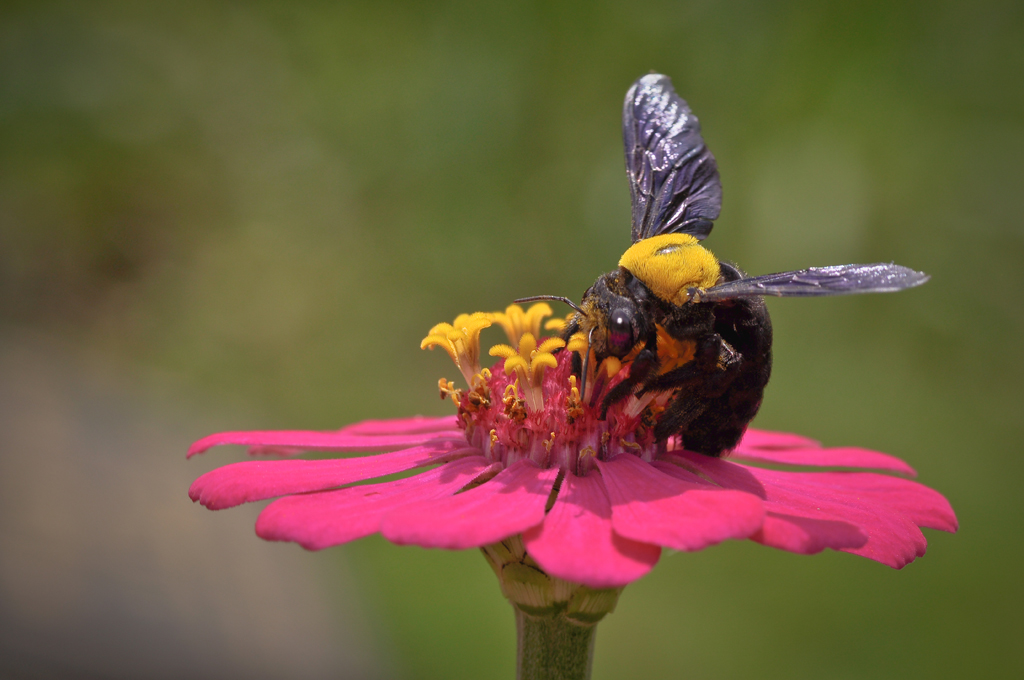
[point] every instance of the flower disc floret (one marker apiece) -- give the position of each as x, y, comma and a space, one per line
558, 325
461, 340
518, 323
528, 363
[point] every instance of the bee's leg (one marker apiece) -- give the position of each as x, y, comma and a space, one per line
680, 413
704, 381
644, 366
715, 364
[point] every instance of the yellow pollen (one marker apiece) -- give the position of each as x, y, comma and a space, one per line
673, 353
513, 404
518, 323
494, 436
650, 415
461, 340
478, 398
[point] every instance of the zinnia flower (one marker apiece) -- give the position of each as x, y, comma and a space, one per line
554, 495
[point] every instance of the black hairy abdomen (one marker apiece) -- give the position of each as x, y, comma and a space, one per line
743, 323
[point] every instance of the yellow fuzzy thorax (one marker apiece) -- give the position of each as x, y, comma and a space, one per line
670, 264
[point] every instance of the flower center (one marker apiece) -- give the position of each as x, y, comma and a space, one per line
529, 405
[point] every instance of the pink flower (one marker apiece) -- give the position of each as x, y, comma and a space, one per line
594, 500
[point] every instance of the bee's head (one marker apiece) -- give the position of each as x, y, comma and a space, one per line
613, 315
623, 327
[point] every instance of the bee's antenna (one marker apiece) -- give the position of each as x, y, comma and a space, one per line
556, 298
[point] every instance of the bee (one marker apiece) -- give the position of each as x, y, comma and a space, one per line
692, 325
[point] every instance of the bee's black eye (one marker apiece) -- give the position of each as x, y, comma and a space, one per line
620, 332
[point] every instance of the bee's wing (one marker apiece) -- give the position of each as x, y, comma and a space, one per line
673, 178
841, 279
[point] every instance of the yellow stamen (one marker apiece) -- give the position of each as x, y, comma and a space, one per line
611, 366
518, 323
577, 343
573, 406
448, 389
527, 345
529, 363
558, 325
482, 377
551, 344
461, 340
549, 442
540, 362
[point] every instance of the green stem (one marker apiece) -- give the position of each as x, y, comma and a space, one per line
553, 648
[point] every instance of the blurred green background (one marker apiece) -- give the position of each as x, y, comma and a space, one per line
251, 213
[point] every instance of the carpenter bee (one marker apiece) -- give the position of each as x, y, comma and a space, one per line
692, 325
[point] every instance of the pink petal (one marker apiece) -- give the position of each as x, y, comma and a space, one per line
922, 505
321, 520
867, 514
806, 532
576, 541
763, 439
286, 441
652, 507
889, 537
837, 457
808, 535
508, 504
683, 464
414, 425
248, 481
789, 532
